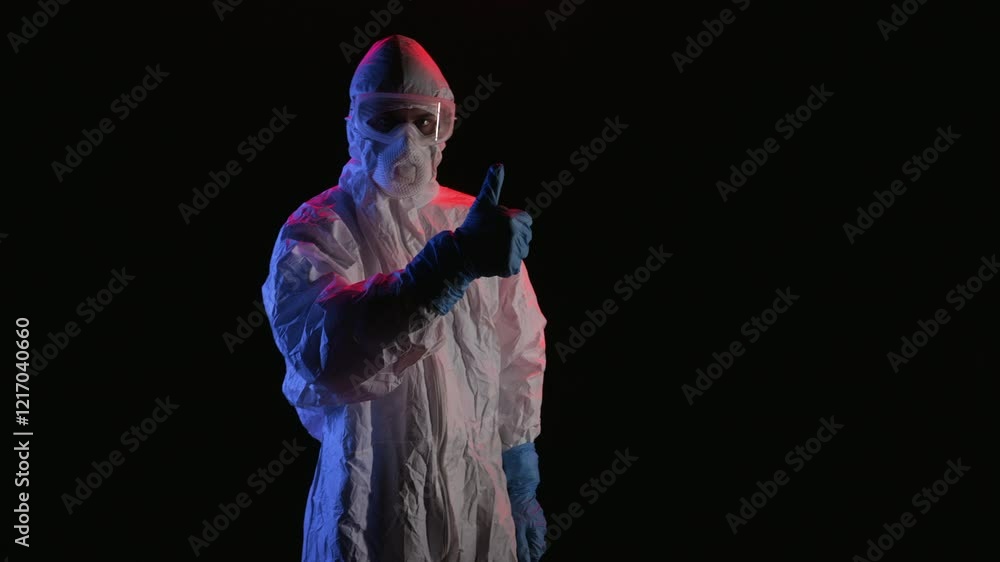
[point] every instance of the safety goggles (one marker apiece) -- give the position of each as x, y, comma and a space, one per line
384, 117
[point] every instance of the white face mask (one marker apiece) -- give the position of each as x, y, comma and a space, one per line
403, 168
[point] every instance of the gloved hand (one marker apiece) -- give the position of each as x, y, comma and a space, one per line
494, 239
520, 464
491, 241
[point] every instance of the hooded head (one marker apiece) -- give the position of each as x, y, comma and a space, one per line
398, 78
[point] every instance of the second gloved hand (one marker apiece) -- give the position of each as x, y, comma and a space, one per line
520, 465
494, 239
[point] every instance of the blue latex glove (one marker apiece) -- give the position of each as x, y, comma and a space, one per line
492, 241
437, 275
520, 464
493, 238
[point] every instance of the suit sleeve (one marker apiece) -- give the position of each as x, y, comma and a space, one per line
521, 329
346, 338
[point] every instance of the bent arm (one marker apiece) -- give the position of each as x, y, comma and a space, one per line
347, 341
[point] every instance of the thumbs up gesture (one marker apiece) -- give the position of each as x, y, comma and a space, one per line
494, 239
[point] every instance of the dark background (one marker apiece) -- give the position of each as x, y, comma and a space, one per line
655, 185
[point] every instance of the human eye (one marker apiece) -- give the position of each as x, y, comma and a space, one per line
381, 123
426, 125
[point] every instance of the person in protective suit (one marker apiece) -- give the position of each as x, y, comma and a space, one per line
412, 339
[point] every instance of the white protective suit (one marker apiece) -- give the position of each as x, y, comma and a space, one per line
410, 464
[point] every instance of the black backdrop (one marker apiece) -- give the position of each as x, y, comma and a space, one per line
655, 185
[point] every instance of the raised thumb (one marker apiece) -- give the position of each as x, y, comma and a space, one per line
490, 193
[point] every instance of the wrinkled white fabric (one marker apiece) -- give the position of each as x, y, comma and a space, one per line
410, 463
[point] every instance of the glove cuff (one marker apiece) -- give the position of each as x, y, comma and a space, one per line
464, 243
520, 465
437, 277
